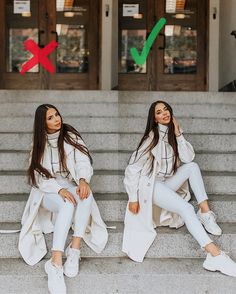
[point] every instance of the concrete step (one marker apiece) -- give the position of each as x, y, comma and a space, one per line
114, 109
125, 141
94, 141
177, 97
168, 243
120, 275
112, 160
181, 110
123, 125
57, 96
112, 182
73, 96
102, 109
112, 206
201, 142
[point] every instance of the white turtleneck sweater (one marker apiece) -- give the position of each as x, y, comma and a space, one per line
60, 175
167, 156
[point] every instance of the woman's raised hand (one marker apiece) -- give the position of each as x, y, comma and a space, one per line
177, 127
67, 195
134, 207
83, 190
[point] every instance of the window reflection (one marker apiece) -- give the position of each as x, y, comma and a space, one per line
180, 54
129, 39
72, 55
17, 54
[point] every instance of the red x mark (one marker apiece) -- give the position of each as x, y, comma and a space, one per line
40, 56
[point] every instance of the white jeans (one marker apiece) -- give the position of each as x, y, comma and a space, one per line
165, 196
66, 213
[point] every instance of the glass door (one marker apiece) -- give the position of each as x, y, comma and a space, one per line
18, 25
181, 48
135, 22
178, 57
75, 28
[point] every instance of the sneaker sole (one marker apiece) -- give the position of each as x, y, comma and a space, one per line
214, 234
46, 267
68, 275
208, 268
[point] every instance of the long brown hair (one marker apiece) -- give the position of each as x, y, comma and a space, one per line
67, 134
153, 126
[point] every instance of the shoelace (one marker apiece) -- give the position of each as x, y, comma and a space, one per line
72, 256
59, 272
211, 215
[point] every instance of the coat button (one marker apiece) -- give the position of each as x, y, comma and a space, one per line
35, 203
149, 184
145, 201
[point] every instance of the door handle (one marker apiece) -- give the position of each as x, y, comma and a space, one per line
56, 34
40, 34
164, 42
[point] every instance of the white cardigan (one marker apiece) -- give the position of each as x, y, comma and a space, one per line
36, 220
139, 230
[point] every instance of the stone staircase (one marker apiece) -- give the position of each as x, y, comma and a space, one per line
111, 124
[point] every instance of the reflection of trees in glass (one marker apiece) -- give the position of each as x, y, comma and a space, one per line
17, 54
181, 52
72, 54
132, 38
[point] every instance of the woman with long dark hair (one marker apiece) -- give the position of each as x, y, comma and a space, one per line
158, 192
59, 173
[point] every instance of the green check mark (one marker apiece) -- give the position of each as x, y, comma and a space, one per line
140, 59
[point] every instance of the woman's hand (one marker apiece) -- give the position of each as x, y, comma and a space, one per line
177, 127
67, 195
134, 207
83, 190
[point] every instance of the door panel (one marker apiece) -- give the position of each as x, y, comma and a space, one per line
181, 49
133, 30
177, 60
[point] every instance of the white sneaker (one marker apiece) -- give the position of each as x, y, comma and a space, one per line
56, 283
222, 263
208, 219
71, 266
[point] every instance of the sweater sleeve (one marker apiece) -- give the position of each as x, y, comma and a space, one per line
44, 184
185, 149
133, 171
48, 185
83, 166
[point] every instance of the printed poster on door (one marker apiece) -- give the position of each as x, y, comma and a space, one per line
21, 7
130, 9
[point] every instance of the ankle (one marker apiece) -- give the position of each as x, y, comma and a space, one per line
204, 210
56, 263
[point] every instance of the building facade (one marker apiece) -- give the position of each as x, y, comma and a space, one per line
193, 52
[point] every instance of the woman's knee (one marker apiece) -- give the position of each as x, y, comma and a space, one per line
88, 201
68, 207
193, 165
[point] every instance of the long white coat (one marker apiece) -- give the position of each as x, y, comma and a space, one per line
139, 230
36, 220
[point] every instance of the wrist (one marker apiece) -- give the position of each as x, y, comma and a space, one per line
60, 192
82, 180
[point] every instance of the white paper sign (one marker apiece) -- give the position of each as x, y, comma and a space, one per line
130, 9
21, 6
